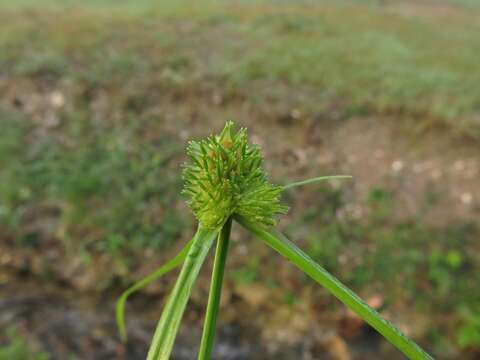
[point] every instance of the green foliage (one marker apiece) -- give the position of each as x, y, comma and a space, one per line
469, 333
248, 273
98, 183
18, 349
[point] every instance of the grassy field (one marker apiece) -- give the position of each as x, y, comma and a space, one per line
18, 349
97, 101
378, 61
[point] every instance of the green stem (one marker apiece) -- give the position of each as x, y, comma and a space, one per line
315, 180
167, 328
165, 268
208, 336
286, 248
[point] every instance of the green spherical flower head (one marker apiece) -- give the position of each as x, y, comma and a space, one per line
225, 177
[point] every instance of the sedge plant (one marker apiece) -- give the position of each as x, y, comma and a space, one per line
225, 182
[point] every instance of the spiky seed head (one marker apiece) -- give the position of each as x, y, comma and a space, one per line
225, 177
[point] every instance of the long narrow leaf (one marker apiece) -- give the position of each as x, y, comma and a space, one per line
167, 328
286, 248
162, 270
315, 180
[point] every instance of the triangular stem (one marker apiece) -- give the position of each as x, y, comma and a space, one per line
208, 336
167, 328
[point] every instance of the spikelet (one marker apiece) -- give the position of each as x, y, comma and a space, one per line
225, 177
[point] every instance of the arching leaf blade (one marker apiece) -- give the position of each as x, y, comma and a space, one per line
289, 250
156, 274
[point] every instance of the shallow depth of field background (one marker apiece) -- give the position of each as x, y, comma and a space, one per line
98, 99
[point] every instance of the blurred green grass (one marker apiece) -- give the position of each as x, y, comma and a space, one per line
17, 348
110, 187
366, 58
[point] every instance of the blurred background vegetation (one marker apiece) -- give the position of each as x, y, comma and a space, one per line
98, 99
